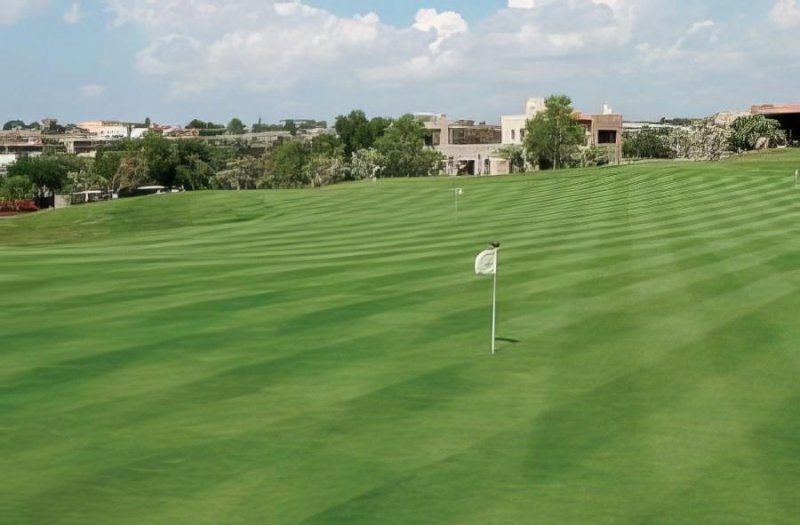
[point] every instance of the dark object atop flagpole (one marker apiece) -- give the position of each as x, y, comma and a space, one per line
494, 244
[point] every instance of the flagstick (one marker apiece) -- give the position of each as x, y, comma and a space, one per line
494, 308
494, 312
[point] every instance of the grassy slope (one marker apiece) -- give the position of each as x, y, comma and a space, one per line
321, 356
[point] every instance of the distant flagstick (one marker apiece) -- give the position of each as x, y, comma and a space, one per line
458, 193
797, 178
486, 264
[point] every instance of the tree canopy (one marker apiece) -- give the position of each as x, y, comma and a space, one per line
403, 150
13, 124
47, 173
554, 135
357, 132
236, 127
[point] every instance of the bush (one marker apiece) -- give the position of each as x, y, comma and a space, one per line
648, 144
755, 131
17, 188
18, 206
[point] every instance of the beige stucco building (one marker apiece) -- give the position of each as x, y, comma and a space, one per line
513, 126
468, 148
604, 129
111, 129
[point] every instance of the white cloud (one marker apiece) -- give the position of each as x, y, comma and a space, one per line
92, 90
73, 14
699, 26
13, 10
445, 24
786, 13
696, 47
265, 45
209, 47
521, 4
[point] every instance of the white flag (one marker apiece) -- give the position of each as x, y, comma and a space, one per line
486, 262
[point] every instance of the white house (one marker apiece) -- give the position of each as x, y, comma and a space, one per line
514, 125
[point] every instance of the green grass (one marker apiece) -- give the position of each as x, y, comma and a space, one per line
321, 356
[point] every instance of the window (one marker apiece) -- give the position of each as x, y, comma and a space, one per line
606, 136
513, 134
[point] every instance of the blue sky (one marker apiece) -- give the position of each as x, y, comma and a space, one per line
174, 60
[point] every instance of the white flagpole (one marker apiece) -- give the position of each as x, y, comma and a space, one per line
486, 263
494, 306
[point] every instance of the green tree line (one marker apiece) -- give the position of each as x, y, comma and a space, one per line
363, 148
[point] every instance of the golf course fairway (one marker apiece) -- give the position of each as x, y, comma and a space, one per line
323, 356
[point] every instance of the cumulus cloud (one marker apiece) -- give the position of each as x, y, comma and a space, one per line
12, 11
445, 25
73, 14
265, 45
534, 47
786, 13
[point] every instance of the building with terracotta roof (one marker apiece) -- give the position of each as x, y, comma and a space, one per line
787, 114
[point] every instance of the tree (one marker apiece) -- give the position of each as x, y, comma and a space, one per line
357, 132
286, 165
553, 135
132, 172
196, 163
86, 178
236, 127
366, 164
241, 174
291, 127
403, 150
327, 145
106, 164
377, 127
195, 173
323, 170
514, 155
47, 173
753, 131
353, 130
197, 124
13, 124
161, 159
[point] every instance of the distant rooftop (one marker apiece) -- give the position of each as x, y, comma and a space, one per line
775, 109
